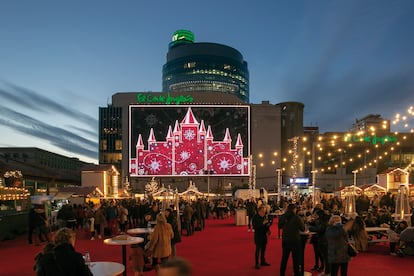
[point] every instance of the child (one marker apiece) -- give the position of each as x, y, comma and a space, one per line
137, 260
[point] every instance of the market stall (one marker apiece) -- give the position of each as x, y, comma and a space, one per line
370, 190
14, 210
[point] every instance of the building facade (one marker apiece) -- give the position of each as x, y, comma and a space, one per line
43, 172
264, 147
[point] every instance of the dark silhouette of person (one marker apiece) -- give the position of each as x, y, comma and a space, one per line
261, 225
291, 225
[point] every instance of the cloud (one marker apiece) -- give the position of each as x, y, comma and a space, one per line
28, 98
59, 137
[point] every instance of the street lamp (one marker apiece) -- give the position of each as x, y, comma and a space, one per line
279, 184
355, 176
315, 199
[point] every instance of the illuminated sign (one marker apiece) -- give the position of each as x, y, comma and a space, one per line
183, 35
371, 139
170, 140
299, 181
163, 99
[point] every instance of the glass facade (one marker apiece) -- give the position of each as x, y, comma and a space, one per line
199, 67
110, 135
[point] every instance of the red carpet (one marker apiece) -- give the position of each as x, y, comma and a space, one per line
221, 249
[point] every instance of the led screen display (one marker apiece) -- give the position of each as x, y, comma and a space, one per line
168, 140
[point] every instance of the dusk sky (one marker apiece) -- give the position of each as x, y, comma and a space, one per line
62, 60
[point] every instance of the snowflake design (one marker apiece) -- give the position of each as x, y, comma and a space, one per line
151, 120
193, 166
224, 164
184, 155
155, 165
189, 134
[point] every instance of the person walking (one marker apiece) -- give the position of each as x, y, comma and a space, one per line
100, 221
261, 227
160, 240
251, 208
291, 225
123, 218
337, 239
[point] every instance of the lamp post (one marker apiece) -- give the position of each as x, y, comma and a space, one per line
313, 172
279, 185
355, 176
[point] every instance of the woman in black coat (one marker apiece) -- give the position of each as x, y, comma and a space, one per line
172, 220
60, 258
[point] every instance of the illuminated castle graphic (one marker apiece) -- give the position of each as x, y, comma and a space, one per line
189, 149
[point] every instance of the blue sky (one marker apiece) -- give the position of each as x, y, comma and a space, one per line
61, 60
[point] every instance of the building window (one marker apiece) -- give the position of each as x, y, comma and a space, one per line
118, 145
104, 145
189, 65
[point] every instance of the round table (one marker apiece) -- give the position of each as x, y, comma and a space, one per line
106, 268
140, 231
123, 240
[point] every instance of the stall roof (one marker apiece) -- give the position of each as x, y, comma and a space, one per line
81, 191
371, 186
347, 187
62, 195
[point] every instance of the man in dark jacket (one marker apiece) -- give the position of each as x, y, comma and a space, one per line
291, 225
261, 227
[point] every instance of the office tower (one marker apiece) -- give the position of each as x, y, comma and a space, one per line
204, 67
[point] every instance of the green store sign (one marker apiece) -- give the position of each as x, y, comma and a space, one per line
163, 99
372, 139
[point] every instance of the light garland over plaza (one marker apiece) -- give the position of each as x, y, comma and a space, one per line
326, 150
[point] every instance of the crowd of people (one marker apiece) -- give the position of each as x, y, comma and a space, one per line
331, 230
114, 217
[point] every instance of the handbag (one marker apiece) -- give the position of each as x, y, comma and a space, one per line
352, 251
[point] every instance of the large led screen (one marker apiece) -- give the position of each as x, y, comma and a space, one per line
168, 140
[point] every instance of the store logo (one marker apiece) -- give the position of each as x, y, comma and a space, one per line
163, 99
372, 139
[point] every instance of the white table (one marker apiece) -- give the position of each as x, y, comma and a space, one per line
378, 230
123, 240
106, 268
140, 231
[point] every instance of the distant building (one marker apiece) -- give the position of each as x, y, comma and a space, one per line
202, 66
371, 123
43, 172
291, 138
